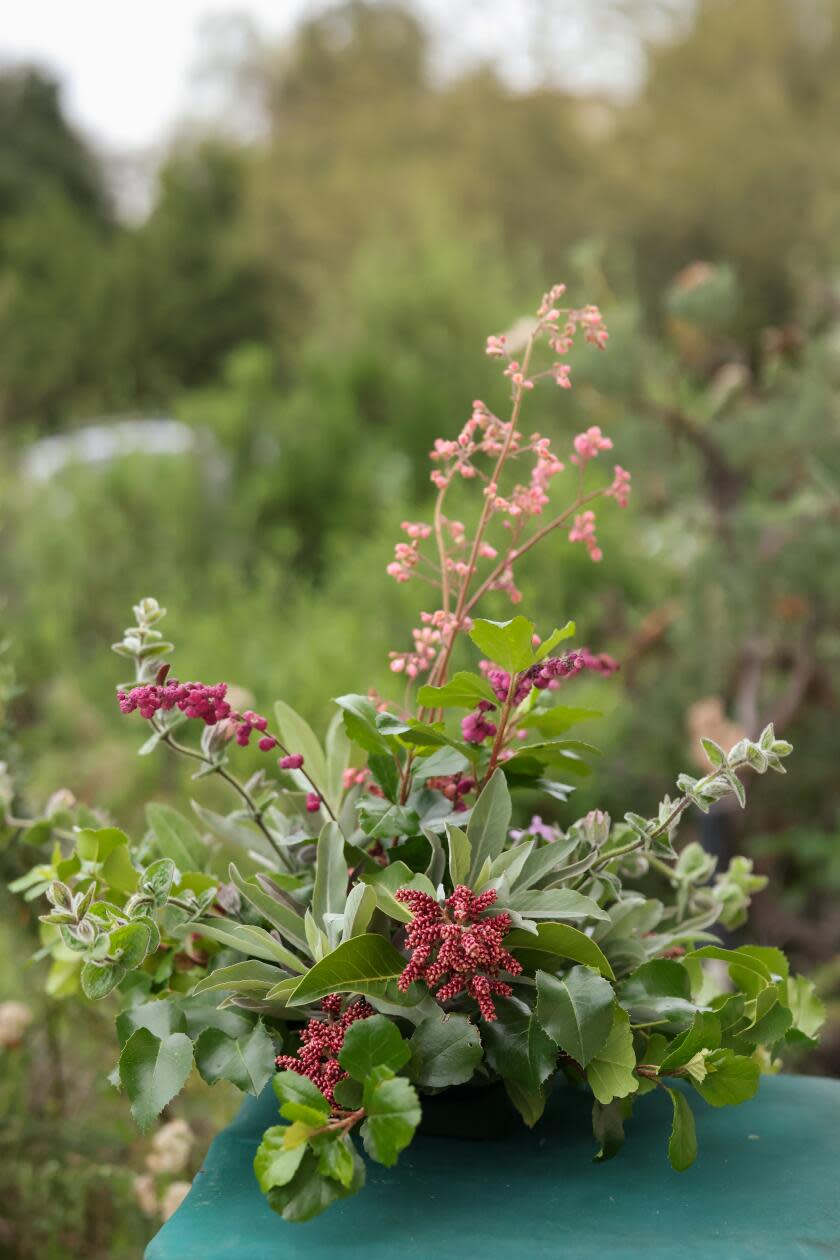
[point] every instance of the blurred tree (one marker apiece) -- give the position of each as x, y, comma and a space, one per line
41, 153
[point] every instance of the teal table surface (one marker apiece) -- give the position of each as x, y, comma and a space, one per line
766, 1184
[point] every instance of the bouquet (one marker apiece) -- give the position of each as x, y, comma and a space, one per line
365, 928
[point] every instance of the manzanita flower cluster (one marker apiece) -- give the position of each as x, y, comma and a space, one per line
321, 1042
455, 950
386, 931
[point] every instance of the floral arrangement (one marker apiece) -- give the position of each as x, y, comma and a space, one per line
365, 928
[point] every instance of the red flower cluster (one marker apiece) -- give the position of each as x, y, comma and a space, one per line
455, 949
321, 1042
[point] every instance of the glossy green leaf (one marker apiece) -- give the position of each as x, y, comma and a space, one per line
608, 1128
445, 1050
250, 940
372, 1043
244, 977
554, 942
278, 913
576, 1011
392, 1113
361, 965
516, 1047
460, 854
610, 1073
730, 1078
274, 1164
682, 1145
299, 1099
247, 1061
298, 737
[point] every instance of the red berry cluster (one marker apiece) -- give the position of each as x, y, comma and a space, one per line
456, 951
195, 699
320, 1044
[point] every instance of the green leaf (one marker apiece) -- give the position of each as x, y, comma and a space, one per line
731, 1078
361, 965
558, 720
463, 691
300, 1100
516, 1046
274, 1164
659, 992
552, 903
610, 1073
747, 971
554, 941
392, 1111
130, 944
161, 1018
118, 870
682, 1145
360, 723
372, 1043
336, 1158
608, 1128
243, 977
298, 737
807, 1009
278, 913
97, 844
576, 1012
704, 1034
338, 760
309, 1193
358, 911
98, 981
246, 1061
506, 643
176, 838
529, 1103
460, 854
250, 940
557, 636
153, 1070
445, 1050
487, 830
329, 893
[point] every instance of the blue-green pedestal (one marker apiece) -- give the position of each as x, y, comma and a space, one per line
766, 1184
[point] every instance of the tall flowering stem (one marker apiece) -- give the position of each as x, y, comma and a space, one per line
459, 556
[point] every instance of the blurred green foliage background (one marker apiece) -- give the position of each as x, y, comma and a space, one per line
305, 309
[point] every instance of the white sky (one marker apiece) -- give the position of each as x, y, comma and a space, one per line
126, 64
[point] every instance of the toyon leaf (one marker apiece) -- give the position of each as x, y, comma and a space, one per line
392, 1109
730, 1079
553, 942
445, 1050
274, 1164
362, 965
153, 1070
246, 1061
372, 1043
610, 1073
682, 1145
576, 1012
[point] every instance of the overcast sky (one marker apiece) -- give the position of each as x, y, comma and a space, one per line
127, 65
